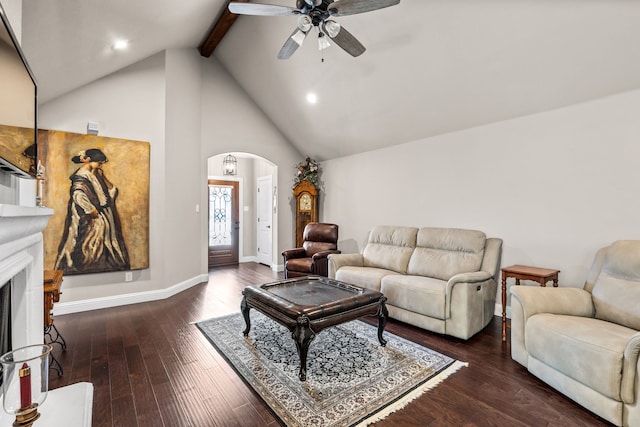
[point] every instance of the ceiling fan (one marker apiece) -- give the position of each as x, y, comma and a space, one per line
316, 13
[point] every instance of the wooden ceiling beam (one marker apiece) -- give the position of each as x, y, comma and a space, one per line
218, 31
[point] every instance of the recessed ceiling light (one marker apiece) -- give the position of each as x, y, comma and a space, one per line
121, 44
312, 98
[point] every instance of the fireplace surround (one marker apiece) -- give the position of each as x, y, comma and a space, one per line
21, 267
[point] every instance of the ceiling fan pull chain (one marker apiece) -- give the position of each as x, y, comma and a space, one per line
322, 43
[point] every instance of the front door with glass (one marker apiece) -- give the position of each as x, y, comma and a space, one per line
224, 224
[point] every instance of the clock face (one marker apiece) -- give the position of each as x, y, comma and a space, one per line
305, 202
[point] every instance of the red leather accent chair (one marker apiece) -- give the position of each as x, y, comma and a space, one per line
319, 240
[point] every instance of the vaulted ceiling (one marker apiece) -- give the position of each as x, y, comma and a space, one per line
431, 66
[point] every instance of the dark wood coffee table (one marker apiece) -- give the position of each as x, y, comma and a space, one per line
307, 305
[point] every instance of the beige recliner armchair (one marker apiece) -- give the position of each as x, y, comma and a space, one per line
585, 342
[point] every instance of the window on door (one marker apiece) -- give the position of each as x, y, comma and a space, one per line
220, 203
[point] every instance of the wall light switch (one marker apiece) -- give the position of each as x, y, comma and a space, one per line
128, 276
197, 208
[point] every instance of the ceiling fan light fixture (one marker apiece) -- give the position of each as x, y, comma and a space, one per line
323, 42
305, 23
332, 28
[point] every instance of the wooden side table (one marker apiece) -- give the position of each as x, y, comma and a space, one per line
52, 283
523, 272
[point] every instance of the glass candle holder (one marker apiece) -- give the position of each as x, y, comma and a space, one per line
25, 376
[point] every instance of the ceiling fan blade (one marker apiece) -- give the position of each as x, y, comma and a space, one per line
293, 42
343, 38
261, 9
352, 7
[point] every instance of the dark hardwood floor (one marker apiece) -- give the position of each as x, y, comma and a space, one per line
150, 366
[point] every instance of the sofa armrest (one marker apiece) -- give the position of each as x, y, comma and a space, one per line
294, 253
630, 369
476, 276
321, 263
567, 301
469, 303
323, 254
336, 261
529, 300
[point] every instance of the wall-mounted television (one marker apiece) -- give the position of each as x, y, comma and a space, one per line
18, 106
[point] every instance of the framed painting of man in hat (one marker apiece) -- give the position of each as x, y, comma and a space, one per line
99, 190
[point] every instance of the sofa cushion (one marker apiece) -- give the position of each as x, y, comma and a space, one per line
390, 248
421, 295
365, 277
616, 291
300, 265
444, 252
556, 339
319, 237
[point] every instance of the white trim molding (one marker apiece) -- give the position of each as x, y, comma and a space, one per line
274, 267
248, 259
125, 299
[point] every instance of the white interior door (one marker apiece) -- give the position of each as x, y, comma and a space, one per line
265, 219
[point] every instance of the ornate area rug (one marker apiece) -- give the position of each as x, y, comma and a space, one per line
351, 379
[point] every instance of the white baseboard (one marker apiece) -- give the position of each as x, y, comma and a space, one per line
273, 267
125, 299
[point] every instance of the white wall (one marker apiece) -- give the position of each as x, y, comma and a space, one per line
128, 104
232, 122
189, 109
13, 11
184, 169
555, 186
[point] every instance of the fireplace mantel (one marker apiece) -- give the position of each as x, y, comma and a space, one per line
17, 222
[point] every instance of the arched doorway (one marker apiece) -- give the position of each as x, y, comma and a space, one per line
254, 201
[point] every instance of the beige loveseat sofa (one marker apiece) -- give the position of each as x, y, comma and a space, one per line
585, 342
439, 279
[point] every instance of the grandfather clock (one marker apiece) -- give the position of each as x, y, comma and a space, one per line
306, 195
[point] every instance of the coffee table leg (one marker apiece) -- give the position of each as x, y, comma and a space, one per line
383, 315
244, 308
303, 335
